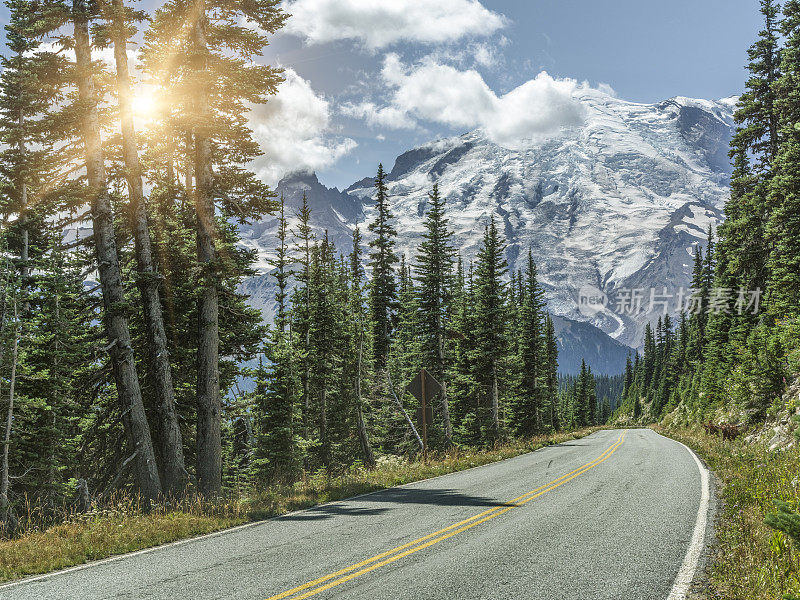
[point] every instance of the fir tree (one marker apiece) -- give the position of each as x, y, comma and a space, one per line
210, 77
277, 386
435, 278
359, 323
783, 228
325, 318
551, 373
628, 376
528, 410
281, 265
756, 112
169, 440
405, 353
383, 289
301, 312
490, 309
466, 396
107, 256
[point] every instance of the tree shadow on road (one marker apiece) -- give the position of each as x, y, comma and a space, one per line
332, 510
435, 497
566, 444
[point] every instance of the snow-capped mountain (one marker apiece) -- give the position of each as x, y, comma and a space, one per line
615, 203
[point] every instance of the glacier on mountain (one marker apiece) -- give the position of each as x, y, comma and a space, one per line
616, 202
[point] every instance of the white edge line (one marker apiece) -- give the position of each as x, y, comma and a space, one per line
690, 562
111, 559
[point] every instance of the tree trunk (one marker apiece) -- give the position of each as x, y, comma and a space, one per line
323, 423
209, 443
404, 412
24, 270
4, 474
495, 402
306, 361
363, 435
448, 427
3, 317
116, 323
83, 502
188, 175
167, 429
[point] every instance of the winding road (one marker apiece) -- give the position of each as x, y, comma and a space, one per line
617, 515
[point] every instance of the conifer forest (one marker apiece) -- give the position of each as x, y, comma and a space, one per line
195, 333
124, 343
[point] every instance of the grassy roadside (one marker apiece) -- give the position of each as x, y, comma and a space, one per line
751, 560
121, 525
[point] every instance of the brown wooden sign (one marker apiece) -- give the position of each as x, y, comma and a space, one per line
423, 420
423, 388
432, 387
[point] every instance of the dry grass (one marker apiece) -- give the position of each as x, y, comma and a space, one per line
121, 525
752, 561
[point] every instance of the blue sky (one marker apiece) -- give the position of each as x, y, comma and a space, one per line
369, 79
645, 50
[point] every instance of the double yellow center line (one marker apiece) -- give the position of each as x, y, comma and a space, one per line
379, 560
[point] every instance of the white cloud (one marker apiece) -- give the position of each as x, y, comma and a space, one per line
486, 55
293, 129
381, 23
607, 89
389, 117
441, 93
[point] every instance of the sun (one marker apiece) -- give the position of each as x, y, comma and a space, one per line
145, 104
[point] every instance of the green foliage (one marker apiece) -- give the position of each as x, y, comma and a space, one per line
309, 395
752, 561
786, 520
760, 374
529, 412
383, 287
492, 341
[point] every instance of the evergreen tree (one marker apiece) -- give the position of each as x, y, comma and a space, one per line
301, 311
697, 309
383, 288
107, 256
628, 376
490, 311
276, 387
783, 228
435, 279
528, 410
281, 263
605, 412
325, 319
209, 77
756, 112
403, 360
582, 398
551, 374
465, 386
360, 331
169, 441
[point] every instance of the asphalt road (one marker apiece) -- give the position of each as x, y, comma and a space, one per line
610, 516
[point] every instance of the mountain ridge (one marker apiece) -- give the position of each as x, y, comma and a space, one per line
653, 176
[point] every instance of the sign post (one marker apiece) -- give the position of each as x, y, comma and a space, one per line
423, 388
424, 417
